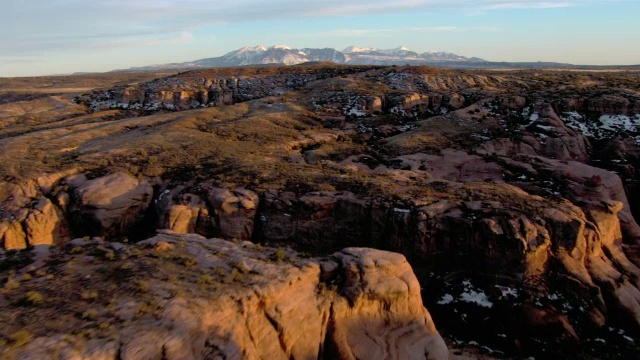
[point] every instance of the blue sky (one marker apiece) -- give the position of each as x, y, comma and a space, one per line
63, 36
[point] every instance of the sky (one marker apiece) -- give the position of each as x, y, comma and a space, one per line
41, 37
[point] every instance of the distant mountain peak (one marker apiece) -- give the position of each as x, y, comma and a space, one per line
251, 48
285, 55
357, 49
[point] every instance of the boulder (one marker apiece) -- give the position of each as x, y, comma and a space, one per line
184, 213
234, 211
456, 101
110, 205
28, 218
46, 224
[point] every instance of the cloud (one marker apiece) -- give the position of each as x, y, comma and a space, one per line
365, 32
38, 26
179, 39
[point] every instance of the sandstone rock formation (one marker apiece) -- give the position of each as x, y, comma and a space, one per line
522, 183
233, 302
108, 205
28, 218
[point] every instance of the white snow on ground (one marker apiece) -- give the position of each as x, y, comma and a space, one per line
399, 210
398, 111
553, 297
446, 299
356, 112
507, 291
534, 117
474, 296
620, 122
354, 108
605, 127
470, 294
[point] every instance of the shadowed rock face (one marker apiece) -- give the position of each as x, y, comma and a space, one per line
108, 205
356, 304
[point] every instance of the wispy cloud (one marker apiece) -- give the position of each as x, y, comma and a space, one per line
37, 25
365, 32
59, 30
184, 37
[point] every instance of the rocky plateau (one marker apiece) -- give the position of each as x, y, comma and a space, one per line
512, 194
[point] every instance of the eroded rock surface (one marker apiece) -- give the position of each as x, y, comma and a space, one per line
205, 299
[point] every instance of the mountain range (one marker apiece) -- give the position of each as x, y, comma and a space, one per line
284, 55
353, 55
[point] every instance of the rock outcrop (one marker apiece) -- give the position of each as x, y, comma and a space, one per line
108, 205
29, 218
232, 302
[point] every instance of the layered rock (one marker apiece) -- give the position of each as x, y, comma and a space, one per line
356, 304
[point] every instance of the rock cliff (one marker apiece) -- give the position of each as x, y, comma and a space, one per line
185, 297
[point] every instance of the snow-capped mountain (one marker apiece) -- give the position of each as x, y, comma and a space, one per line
326, 54
256, 55
373, 55
355, 49
446, 56
284, 55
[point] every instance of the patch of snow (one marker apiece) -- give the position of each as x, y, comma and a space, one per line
399, 210
476, 297
507, 291
534, 117
356, 112
480, 137
446, 299
606, 126
398, 111
553, 297
407, 127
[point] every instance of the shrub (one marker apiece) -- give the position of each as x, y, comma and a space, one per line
90, 314
21, 337
11, 284
279, 255
89, 295
143, 286
205, 279
190, 261
33, 298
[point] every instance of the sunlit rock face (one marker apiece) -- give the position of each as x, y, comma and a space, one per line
226, 300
